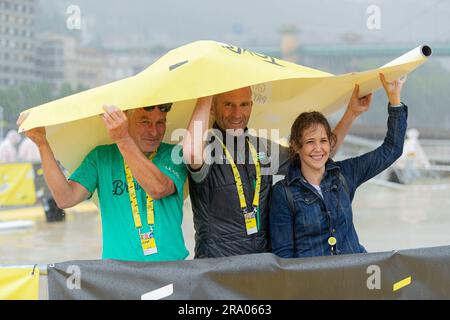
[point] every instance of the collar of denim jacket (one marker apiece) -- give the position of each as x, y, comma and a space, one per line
295, 173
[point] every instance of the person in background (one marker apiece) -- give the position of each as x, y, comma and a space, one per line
8, 150
28, 151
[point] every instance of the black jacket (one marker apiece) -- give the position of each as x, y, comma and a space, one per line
218, 219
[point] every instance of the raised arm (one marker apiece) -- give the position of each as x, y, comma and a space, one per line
66, 193
355, 108
366, 166
193, 144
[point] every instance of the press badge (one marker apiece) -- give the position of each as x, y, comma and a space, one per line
250, 223
148, 243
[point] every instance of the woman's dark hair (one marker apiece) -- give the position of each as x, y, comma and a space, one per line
305, 121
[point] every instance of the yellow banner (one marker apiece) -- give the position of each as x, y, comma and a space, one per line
19, 284
281, 91
17, 184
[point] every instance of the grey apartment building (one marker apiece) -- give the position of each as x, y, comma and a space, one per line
17, 42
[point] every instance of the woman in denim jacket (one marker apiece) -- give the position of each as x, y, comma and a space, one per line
320, 191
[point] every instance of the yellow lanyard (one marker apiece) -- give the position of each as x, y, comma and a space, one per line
237, 177
133, 199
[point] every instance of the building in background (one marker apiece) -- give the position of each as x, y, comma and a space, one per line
17, 42
61, 59
27, 57
49, 62
129, 62
127, 57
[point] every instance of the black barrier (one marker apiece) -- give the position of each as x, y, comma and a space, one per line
409, 274
40, 186
43, 195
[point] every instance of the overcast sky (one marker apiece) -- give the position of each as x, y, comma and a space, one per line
175, 22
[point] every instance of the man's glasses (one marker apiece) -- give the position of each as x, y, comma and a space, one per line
166, 107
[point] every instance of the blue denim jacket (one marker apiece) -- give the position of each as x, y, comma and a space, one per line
317, 218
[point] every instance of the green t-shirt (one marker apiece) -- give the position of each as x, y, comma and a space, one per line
103, 169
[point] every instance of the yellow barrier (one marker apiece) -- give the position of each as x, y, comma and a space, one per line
19, 283
17, 184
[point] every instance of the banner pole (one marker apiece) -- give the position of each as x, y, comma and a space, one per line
42, 268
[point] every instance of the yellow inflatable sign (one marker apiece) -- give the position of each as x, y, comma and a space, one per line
281, 90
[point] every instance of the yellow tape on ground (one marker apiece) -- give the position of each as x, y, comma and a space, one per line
19, 284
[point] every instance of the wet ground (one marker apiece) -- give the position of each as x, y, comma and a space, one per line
387, 217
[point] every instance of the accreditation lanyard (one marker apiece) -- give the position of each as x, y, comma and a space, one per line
250, 217
148, 242
332, 241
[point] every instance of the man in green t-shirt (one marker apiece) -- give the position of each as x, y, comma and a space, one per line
140, 188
